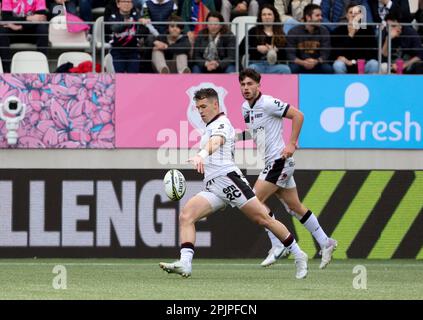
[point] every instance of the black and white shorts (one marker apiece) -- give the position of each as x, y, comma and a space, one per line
280, 172
232, 189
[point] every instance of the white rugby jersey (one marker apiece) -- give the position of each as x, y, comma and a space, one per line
264, 121
222, 160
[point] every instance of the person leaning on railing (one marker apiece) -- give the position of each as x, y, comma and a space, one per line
35, 32
308, 46
405, 46
353, 42
266, 43
173, 46
214, 47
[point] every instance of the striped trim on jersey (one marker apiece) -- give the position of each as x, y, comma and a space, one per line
276, 171
242, 186
286, 110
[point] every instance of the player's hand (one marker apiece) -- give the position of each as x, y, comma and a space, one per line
198, 163
289, 150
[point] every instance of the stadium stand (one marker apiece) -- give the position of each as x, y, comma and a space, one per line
29, 62
59, 37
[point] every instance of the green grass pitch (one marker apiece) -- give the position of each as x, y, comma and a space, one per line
211, 279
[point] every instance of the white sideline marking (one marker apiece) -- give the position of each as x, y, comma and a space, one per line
89, 264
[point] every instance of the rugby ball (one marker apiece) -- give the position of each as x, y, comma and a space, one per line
174, 184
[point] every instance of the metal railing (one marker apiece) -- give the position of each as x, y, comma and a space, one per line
100, 36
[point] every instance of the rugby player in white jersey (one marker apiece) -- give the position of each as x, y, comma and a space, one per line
263, 116
224, 184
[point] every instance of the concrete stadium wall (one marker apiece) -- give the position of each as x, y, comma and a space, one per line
313, 159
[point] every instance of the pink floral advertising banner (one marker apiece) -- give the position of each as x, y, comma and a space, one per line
61, 110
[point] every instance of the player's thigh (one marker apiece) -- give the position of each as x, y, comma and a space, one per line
197, 208
264, 189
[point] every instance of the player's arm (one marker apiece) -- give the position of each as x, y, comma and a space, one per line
297, 118
244, 135
211, 146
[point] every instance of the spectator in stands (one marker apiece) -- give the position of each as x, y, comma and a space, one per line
125, 37
380, 8
214, 47
55, 7
195, 11
174, 46
308, 46
237, 8
159, 11
267, 43
291, 9
405, 45
351, 42
86, 7
335, 11
190, 11
37, 32
187, 6
291, 12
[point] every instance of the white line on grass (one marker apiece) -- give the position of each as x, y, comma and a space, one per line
93, 264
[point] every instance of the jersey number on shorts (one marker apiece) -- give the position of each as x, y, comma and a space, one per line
232, 192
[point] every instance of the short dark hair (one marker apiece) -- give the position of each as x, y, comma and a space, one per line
308, 9
250, 73
177, 20
206, 93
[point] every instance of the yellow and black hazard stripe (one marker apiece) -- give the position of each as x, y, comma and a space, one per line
372, 214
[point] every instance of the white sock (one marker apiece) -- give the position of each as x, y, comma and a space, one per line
312, 225
294, 248
186, 255
273, 239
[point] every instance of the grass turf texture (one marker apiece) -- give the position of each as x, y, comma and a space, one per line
212, 279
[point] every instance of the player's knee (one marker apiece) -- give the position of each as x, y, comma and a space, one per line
294, 207
263, 220
261, 197
186, 216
